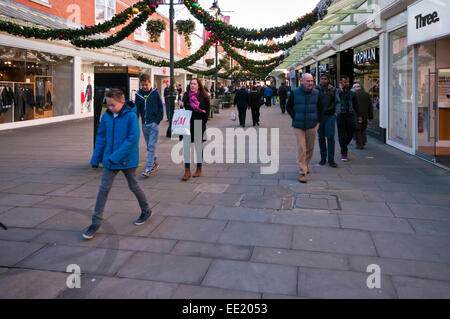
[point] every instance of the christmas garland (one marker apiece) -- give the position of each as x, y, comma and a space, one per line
218, 27
155, 28
209, 62
148, 6
186, 28
115, 38
212, 71
252, 47
186, 62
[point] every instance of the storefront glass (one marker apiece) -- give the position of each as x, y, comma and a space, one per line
34, 85
366, 72
400, 88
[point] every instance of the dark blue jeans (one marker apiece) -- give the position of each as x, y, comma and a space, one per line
326, 136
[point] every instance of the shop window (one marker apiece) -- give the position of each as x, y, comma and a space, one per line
141, 34
400, 88
104, 10
34, 85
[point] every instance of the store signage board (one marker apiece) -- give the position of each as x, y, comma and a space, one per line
367, 55
428, 20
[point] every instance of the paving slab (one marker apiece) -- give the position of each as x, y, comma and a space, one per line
119, 288
31, 284
415, 247
254, 277
137, 244
197, 249
344, 241
365, 208
257, 234
421, 211
182, 210
68, 238
414, 288
27, 217
305, 218
241, 214
19, 234
201, 292
32, 189
15, 251
376, 223
166, 268
189, 229
225, 199
21, 200
91, 260
123, 224
299, 258
402, 267
67, 203
337, 284
430, 227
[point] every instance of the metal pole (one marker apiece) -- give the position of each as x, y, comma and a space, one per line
217, 57
172, 69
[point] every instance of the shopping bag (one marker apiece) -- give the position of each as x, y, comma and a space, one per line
233, 115
181, 122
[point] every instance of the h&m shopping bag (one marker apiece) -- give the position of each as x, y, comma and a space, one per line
181, 122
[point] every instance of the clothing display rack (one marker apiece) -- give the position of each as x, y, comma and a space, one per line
23, 101
6, 97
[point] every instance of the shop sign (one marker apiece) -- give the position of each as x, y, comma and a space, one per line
427, 20
323, 68
367, 55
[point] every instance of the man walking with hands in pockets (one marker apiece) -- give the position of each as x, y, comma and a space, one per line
303, 107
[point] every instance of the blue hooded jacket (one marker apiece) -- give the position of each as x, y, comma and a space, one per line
150, 106
303, 107
117, 139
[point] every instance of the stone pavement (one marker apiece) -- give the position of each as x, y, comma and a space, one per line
233, 233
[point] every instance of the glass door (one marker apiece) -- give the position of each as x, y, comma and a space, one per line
426, 100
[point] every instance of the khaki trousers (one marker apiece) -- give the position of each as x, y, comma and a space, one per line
305, 144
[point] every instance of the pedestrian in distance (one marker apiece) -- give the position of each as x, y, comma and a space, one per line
365, 108
242, 101
255, 105
274, 95
197, 100
303, 107
283, 94
167, 101
346, 117
117, 148
329, 108
150, 108
268, 95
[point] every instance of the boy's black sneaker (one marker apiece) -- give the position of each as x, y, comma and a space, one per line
333, 164
322, 162
90, 232
143, 218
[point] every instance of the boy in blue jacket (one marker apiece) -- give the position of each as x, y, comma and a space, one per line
150, 108
117, 147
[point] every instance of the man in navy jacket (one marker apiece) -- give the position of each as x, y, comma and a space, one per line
150, 108
303, 107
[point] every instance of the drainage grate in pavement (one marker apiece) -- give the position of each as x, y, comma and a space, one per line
316, 201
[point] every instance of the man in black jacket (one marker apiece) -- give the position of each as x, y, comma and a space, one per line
365, 107
283, 94
242, 100
346, 118
329, 106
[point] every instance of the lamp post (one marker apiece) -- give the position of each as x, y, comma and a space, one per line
216, 9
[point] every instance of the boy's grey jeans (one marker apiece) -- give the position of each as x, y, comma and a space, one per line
105, 187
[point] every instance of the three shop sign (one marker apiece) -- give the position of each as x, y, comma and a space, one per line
428, 20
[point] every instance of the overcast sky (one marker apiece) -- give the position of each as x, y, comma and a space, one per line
252, 13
